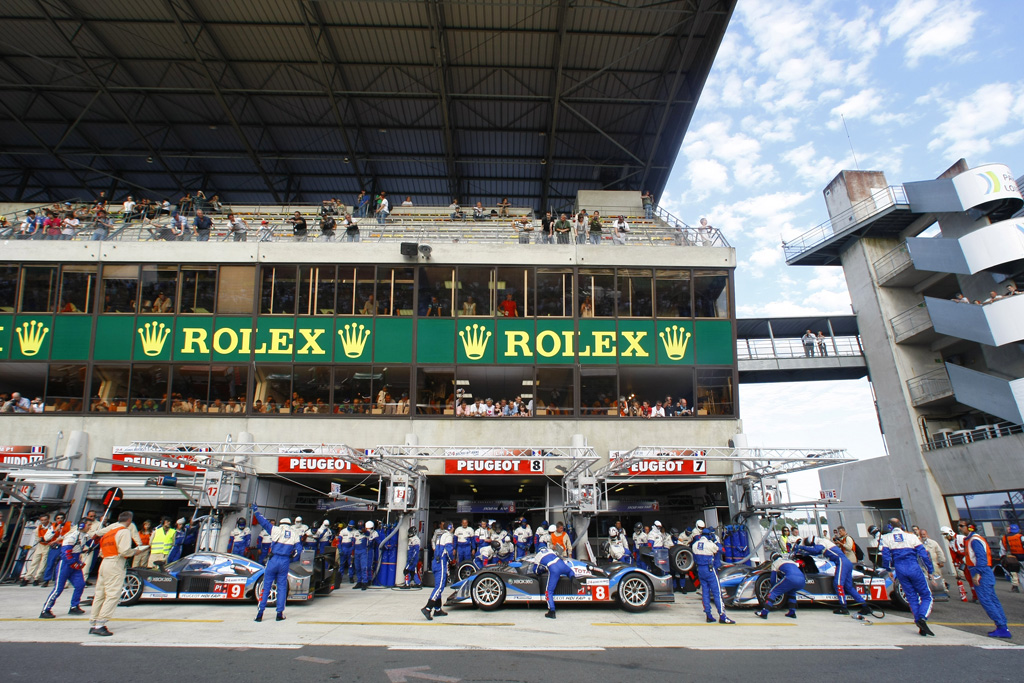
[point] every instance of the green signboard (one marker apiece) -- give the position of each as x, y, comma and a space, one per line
466, 340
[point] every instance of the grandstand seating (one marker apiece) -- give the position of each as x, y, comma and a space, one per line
428, 223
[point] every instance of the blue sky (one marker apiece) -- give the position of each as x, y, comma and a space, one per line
920, 83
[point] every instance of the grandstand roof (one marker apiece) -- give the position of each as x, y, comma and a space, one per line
290, 101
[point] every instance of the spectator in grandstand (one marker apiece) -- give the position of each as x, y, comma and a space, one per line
503, 207
179, 228
619, 230
508, 307
101, 227
383, 208
215, 204
706, 232
683, 408
547, 229
407, 202
456, 211
165, 208
327, 226
961, 299
562, 229
239, 228
648, 201
29, 226
351, 228
129, 209
479, 213
362, 203
469, 306
51, 226
101, 202
202, 224
581, 224
17, 404
587, 308
434, 308
69, 226
299, 227
523, 227
595, 228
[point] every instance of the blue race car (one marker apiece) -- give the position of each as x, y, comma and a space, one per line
749, 586
634, 589
222, 576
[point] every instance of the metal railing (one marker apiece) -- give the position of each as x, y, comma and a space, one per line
930, 386
401, 229
768, 349
895, 261
910, 322
946, 438
879, 201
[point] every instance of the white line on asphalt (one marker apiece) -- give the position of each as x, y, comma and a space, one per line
496, 649
792, 647
999, 647
314, 660
218, 646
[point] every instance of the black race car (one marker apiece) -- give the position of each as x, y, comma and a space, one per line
222, 576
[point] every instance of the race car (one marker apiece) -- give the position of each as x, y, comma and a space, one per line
632, 588
749, 586
222, 576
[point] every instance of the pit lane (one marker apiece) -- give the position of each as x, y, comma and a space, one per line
391, 618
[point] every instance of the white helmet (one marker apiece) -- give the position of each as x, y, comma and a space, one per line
947, 531
552, 529
325, 523
369, 525
180, 521
657, 523
699, 524
285, 520
613, 532
298, 520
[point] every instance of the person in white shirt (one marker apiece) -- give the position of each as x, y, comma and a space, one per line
619, 229
129, 208
658, 410
407, 202
69, 226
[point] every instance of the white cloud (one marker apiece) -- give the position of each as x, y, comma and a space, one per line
706, 175
971, 119
867, 104
816, 170
931, 28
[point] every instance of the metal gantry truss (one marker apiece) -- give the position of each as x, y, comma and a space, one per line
750, 462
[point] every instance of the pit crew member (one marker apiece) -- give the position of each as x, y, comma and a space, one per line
979, 563
901, 551
70, 569
464, 542
787, 579
284, 549
842, 580
412, 559
444, 552
523, 535
238, 540
708, 558
556, 568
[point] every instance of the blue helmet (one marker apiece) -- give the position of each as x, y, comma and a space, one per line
1014, 529
544, 524
351, 523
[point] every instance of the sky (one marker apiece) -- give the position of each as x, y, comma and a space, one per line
920, 83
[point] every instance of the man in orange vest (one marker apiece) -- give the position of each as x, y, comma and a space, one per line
559, 540
978, 559
115, 548
1013, 544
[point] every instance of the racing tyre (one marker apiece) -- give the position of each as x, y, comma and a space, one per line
681, 560
464, 570
488, 592
898, 598
762, 587
636, 593
257, 592
131, 592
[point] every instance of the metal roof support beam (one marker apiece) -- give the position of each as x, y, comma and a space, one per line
558, 60
191, 42
321, 39
600, 130
435, 11
72, 11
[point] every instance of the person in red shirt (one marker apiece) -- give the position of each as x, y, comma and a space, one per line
54, 540
508, 307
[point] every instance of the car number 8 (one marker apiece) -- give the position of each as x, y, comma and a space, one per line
599, 592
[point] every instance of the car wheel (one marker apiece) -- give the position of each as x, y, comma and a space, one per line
897, 597
464, 571
257, 592
762, 587
131, 592
488, 592
681, 560
636, 593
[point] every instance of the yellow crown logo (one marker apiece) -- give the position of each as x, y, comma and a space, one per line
153, 336
353, 339
31, 336
474, 341
675, 339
